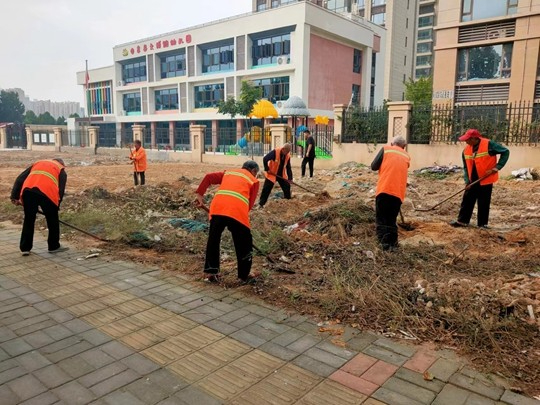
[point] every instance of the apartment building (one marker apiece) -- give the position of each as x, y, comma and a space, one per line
178, 78
398, 17
425, 38
487, 51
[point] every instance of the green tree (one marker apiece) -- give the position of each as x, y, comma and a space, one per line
419, 92
74, 115
61, 121
30, 117
46, 119
484, 63
11, 108
249, 95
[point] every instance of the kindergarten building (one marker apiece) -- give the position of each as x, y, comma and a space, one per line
176, 79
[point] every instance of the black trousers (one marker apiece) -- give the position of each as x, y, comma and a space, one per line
32, 200
243, 245
268, 186
479, 193
136, 176
386, 211
305, 161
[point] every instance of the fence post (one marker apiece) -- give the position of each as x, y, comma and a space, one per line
3, 137
338, 121
138, 132
29, 137
196, 135
399, 117
57, 138
278, 134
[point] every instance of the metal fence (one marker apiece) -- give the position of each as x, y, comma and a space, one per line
324, 139
16, 136
78, 137
229, 141
513, 123
365, 125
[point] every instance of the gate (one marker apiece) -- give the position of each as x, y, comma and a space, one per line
16, 136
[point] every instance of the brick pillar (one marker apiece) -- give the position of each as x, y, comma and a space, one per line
3, 137
93, 134
399, 116
29, 137
196, 134
138, 133
338, 121
278, 134
57, 138
171, 135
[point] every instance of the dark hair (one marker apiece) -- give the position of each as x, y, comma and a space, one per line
250, 165
59, 160
138, 142
307, 131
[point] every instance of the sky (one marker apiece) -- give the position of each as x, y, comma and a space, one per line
43, 43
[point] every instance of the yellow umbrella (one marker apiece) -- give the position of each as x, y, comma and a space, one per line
263, 109
321, 119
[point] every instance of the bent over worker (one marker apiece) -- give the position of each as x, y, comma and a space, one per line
41, 185
277, 167
230, 209
393, 163
138, 157
479, 162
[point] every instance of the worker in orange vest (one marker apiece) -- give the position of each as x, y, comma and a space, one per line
41, 185
393, 163
277, 162
138, 157
479, 162
230, 209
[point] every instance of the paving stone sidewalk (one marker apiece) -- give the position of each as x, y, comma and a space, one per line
97, 331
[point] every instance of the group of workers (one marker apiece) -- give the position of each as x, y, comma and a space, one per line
43, 185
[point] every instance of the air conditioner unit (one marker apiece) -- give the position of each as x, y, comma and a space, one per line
279, 104
494, 34
281, 60
121, 83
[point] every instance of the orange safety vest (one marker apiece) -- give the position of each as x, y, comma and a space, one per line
232, 197
273, 167
139, 160
45, 175
393, 172
482, 160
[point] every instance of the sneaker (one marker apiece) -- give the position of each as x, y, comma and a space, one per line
457, 224
484, 227
249, 280
25, 253
212, 278
59, 249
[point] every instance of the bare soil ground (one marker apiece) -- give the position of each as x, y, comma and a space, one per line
476, 291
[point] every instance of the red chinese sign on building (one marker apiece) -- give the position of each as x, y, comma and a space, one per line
157, 45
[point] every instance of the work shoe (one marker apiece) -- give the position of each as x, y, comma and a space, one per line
249, 280
26, 253
484, 227
457, 224
59, 249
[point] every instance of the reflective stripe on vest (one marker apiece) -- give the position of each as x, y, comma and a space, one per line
274, 166
49, 175
482, 160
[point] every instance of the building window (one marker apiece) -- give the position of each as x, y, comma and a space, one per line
100, 97
372, 87
425, 34
275, 4
379, 18
426, 21
218, 58
480, 9
377, 2
423, 72
132, 102
173, 65
423, 60
261, 5
166, 99
209, 96
426, 9
273, 89
339, 6
267, 50
424, 47
485, 62
357, 61
134, 71
355, 96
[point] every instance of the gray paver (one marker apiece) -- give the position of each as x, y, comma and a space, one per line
102, 374
472, 384
385, 355
248, 338
325, 357
38, 339
221, 326
306, 342
115, 382
192, 395
139, 364
122, 398
418, 379
52, 376
516, 399
32, 361
278, 351
451, 395
26, 387
147, 391
391, 397
15, 347
7, 396
443, 369
315, 366
73, 393
47, 398
409, 390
